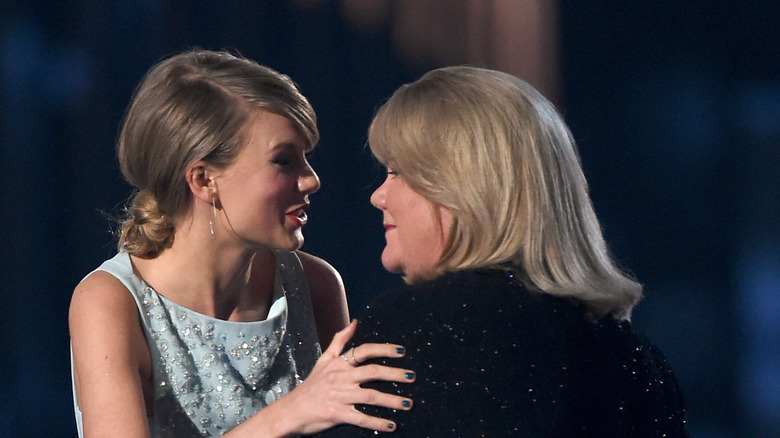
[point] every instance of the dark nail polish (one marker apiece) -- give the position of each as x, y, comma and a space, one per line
400, 350
391, 426
406, 403
409, 376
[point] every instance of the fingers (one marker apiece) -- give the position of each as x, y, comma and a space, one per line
364, 373
364, 352
349, 357
377, 398
341, 338
373, 372
382, 399
334, 385
360, 419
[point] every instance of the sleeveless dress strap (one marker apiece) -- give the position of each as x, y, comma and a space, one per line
302, 327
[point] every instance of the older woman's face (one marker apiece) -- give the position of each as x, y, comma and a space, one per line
415, 228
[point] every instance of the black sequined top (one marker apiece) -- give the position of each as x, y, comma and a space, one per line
493, 359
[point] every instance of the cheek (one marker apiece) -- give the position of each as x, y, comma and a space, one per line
420, 247
435, 238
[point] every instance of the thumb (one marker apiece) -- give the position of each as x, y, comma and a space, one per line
341, 338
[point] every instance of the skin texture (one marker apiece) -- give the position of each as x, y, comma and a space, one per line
228, 275
415, 228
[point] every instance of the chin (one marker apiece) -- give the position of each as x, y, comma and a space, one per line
297, 240
392, 268
293, 243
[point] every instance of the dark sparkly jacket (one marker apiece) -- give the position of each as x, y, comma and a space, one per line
493, 359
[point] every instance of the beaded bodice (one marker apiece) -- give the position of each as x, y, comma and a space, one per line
210, 375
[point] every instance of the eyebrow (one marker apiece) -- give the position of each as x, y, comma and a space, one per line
284, 145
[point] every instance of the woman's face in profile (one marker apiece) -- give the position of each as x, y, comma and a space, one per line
415, 228
264, 193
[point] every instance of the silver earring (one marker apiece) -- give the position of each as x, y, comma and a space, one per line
214, 210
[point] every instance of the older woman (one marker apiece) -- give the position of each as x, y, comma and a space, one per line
515, 316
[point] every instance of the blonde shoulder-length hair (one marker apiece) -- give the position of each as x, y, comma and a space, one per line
493, 151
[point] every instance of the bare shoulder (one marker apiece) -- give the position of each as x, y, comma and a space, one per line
319, 271
100, 295
103, 315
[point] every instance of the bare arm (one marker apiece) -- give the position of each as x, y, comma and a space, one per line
329, 300
111, 358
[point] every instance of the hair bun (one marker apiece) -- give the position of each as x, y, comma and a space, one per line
146, 231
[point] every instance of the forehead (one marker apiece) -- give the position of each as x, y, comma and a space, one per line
271, 130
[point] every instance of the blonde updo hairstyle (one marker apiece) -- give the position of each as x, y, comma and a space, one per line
493, 151
190, 107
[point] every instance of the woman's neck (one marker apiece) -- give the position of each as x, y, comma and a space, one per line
221, 280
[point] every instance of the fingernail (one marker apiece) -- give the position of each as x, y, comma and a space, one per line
400, 350
391, 426
406, 403
409, 375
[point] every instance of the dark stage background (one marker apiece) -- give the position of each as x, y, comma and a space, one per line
675, 105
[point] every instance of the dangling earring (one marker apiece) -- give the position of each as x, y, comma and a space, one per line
214, 210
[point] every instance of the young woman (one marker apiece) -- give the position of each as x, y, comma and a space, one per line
208, 319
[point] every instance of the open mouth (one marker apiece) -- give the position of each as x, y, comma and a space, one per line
299, 216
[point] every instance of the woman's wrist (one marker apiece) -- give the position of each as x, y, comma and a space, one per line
273, 421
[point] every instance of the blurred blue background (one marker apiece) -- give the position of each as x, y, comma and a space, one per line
675, 106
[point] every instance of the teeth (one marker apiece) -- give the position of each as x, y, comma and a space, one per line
300, 214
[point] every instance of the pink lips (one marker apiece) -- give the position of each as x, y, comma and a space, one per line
388, 227
298, 216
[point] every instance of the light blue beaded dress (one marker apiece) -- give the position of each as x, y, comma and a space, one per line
210, 375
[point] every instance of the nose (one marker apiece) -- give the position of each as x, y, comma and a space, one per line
378, 197
308, 182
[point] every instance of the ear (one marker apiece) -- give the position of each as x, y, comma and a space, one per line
200, 179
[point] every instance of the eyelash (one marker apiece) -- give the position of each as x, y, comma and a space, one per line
286, 161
